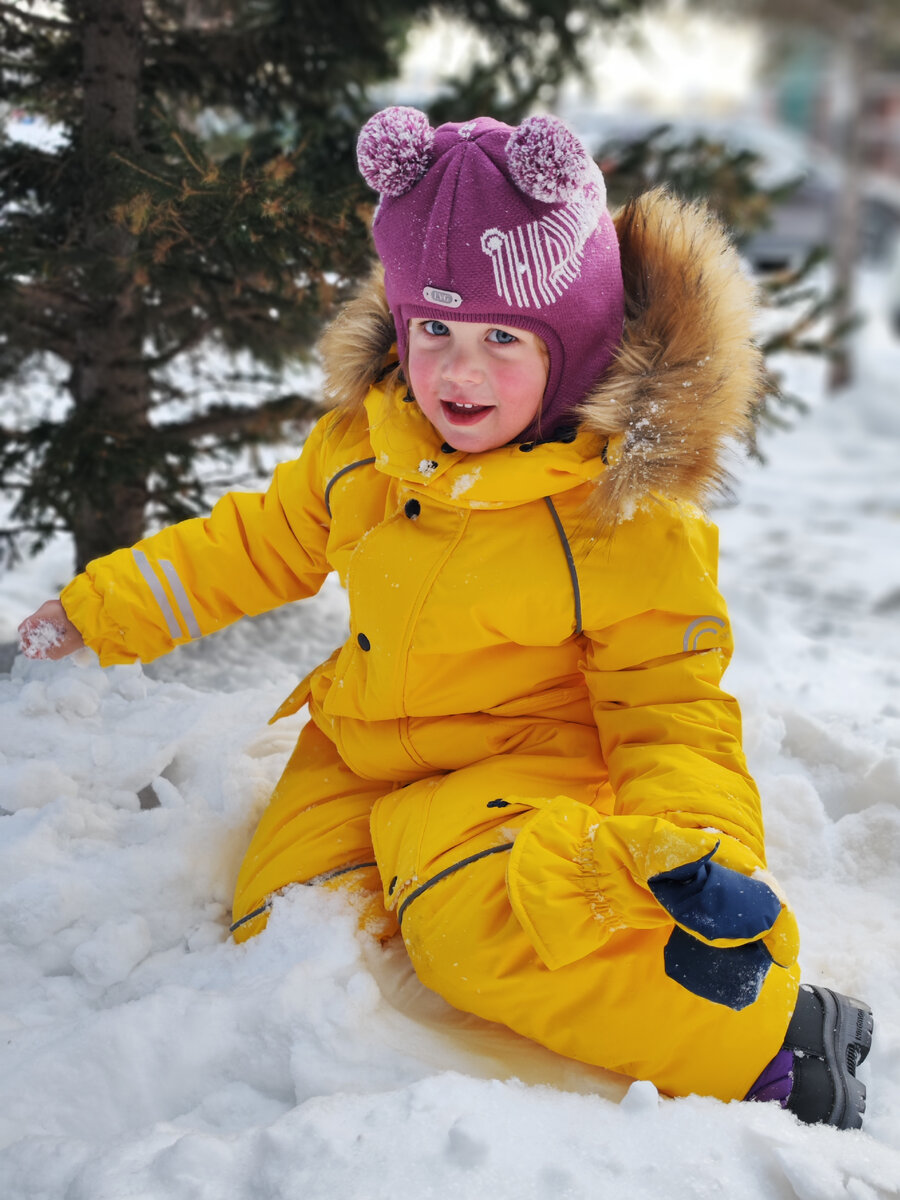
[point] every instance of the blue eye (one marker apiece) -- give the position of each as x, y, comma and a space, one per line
502, 337
436, 328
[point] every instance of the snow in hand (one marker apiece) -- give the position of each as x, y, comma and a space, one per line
39, 638
143, 1054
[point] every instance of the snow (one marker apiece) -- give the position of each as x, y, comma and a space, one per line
465, 483
143, 1054
41, 638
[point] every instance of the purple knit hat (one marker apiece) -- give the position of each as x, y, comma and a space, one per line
483, 222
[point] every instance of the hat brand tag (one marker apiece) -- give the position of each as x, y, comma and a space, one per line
439, 296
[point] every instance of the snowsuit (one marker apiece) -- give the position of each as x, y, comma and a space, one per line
523, 743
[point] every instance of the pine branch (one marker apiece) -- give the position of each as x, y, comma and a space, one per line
31, 18
47, 338
46, 319
36, 298
223, 421
188, 342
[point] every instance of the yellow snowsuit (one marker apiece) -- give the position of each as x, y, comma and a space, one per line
523, 742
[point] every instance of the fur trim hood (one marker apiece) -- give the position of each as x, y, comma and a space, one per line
686, 377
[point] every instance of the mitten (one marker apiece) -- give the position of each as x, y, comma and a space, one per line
576, 878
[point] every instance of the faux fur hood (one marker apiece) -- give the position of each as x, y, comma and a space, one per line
686, 376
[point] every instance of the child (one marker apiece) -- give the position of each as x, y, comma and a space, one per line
522, 747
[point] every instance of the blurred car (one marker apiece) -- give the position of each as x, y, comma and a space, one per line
804, 220
800, 225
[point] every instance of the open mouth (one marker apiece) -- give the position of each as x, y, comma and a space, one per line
461, 412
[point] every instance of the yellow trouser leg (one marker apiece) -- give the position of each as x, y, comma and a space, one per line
612, 1003
317, 821
614, 1008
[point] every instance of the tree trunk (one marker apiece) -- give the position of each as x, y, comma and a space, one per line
856, 46
109, 383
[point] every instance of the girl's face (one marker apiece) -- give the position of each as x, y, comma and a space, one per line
479, 385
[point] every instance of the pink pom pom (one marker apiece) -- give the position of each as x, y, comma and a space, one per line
394, 149
547, 161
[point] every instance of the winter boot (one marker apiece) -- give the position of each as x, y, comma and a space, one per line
814, 1075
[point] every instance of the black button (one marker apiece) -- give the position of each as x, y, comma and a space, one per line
392, 885
364, 642
526, 447
448, 449
498, 804
567, 435
408, 398
412, 508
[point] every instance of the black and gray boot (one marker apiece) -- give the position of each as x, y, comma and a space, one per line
830, 1035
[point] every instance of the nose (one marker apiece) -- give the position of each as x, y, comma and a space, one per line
460, 366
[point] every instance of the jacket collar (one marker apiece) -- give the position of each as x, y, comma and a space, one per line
407, 447
682, 388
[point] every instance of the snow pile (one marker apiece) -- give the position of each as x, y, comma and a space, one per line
143, 1054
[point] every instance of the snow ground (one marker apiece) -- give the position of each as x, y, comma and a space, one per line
143, 1055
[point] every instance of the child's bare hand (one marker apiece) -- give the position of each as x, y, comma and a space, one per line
48, 633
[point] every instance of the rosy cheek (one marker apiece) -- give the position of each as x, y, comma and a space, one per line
516, 380
421, 375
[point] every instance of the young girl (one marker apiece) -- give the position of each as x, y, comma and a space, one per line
522, 749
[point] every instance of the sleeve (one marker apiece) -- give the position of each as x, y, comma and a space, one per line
684, 843
658, 642
256, 551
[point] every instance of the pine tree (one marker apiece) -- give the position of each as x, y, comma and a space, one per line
147, 229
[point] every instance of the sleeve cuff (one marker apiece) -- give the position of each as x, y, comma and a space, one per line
84, 607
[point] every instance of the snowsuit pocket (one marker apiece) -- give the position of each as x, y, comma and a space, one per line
553, 887
426, 827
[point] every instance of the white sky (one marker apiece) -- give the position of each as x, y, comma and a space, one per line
672, 62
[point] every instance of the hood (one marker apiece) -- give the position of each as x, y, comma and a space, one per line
685, 379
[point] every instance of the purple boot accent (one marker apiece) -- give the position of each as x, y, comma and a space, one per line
776, 1081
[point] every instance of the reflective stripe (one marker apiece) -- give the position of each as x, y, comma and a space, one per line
159, 595
257, 912
362, 462
698, 628
457, 866
326, 876
570, 563
181, 598
317, 879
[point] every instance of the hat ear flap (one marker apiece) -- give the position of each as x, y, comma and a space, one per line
394, 149
549, 163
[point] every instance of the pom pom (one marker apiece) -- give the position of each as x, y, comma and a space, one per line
394, 150
547, 161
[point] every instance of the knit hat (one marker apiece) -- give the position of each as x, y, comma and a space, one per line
488, 223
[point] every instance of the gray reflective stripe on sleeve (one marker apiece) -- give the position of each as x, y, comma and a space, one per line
181, 598
698, 628
159, 595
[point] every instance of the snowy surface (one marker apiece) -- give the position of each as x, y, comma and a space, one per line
142, 1054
